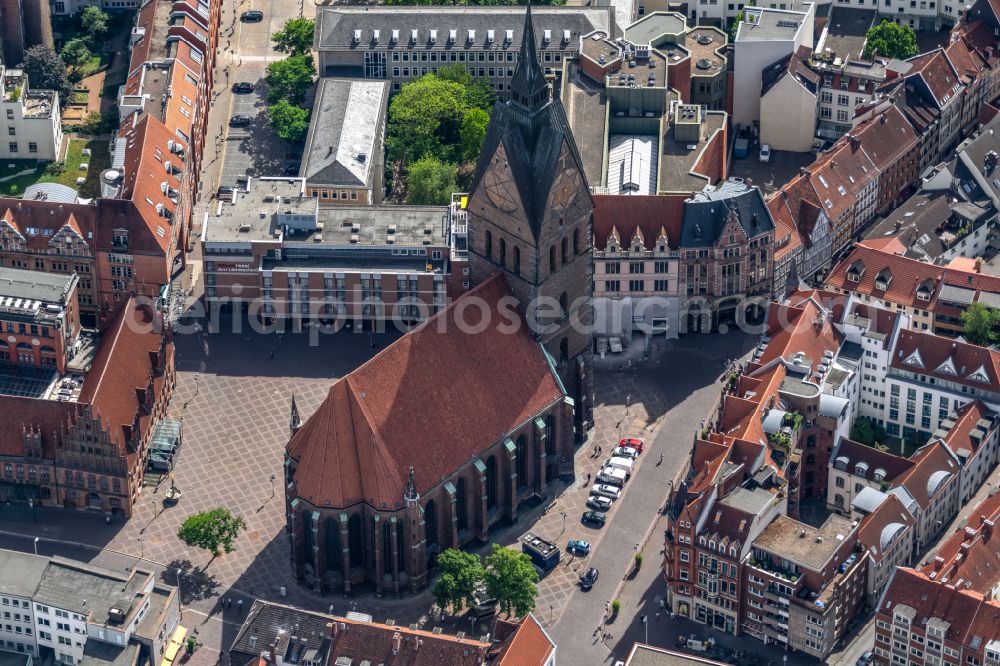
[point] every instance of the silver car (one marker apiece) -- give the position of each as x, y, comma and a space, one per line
599, 503
606, 490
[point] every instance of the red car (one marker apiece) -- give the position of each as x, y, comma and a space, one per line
633, 442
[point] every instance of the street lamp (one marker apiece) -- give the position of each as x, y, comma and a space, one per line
272, 485
36, 545
646, 627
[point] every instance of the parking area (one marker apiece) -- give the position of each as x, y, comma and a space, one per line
770, 175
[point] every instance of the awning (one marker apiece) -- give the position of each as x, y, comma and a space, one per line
175, 645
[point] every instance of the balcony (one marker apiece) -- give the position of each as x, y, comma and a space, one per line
772, 570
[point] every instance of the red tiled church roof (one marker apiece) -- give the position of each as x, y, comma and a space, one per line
467, 389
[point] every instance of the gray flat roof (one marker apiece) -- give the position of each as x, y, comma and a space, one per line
99, 653
586, 104
336, 26
648, 655
13, 658
751, 501
87, 590
252, 213
413, 225
769, 24
341, 148
677, 159
804, 544
847, 32
21, 573
33, 285
647, 29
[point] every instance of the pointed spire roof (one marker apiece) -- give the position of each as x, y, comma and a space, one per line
529, 89
411, 487
293, 420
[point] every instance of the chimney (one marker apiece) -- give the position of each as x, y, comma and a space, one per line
397, 642
882, 119
979, 264
899, 225
331, 628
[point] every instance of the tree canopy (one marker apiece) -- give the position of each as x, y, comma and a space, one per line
424, 119
460, 573
289, 79
214, 531
47, 71
431, 182
867, 432
296, 37
891, 40
94, 22
289, 122
980, 324
75, 52
510, 579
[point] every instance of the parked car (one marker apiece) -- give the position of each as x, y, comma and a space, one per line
765, 153
606, 490
622, 463
588, 578
613, 476
599, 503
578, 547
243, 87
866, 658
633, 442
225, 191
252, 16
594, 518
625, 452
239, 121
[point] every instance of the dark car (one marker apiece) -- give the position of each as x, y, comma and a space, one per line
594, 518
243, 87
225, 190
239, 121
252, 16
588, 578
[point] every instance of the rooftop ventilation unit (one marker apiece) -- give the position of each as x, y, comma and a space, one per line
704, 39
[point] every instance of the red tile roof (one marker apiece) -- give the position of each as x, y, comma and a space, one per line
123, 368
931, 599
934, 468
946, 359
805, 327
146, 180
48, 417
886, 137
465, 388
894, 466
937, 72
907, 275
377, 643
967, 418
527, 645
650, 216
970, 553
875, 530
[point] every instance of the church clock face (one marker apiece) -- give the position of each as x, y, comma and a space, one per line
500, 188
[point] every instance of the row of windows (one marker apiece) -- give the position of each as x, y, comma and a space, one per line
638, 286
13, 147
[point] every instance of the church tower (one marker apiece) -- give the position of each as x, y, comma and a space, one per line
530, 215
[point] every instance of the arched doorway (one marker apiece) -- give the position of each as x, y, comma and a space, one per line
94, 501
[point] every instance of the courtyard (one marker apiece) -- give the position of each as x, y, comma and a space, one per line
17, 175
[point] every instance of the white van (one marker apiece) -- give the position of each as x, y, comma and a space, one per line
622, 463
613, 476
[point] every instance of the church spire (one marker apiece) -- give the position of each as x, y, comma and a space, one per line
294, 422
410, 494
529, 89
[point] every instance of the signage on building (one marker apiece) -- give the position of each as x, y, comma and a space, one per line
235, 268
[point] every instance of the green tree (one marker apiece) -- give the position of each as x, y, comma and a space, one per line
478, 93
891, 40
47, 71
289, 122
734, 27
289, 79
863, 432
472, 132
94, 22
75, 52
460, 573
431, 182
510, 579
980, 324
214, 531
424, 119
296, 37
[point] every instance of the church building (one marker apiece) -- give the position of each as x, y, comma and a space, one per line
448, 431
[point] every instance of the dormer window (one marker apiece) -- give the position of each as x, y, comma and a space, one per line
120, 238
914, 359
947, 367
980, 375
879, 475
883, 279
855, 271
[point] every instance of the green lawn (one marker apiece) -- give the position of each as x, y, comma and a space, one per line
99, 160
